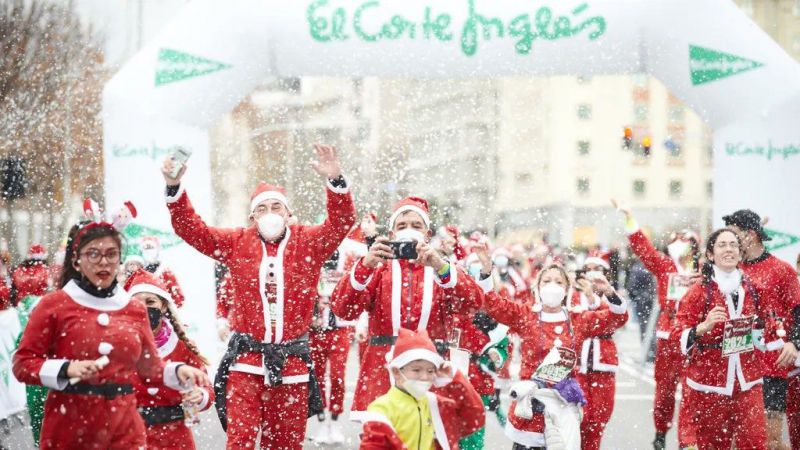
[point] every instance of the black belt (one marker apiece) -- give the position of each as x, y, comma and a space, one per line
274, 359
700, 346
376, 341
108, 390
154, 415
605, 336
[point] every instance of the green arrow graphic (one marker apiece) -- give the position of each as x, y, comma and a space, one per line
135, 232
708, 65
780, 240
175, 66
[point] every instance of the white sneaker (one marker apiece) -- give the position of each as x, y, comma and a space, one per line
335, 435
323, 434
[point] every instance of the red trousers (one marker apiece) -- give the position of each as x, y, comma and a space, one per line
668, 368
599, 389
329, 353
719, 418
280, 412
793, 410
77, 422
170, 436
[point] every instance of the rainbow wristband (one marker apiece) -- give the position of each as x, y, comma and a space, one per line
444, 270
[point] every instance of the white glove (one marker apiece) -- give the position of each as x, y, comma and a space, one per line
552, 434
522, 392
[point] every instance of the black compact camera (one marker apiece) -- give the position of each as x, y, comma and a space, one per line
403, 249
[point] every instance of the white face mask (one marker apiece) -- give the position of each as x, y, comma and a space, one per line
271, 225
594, 275
501, 261
409, 234
417, 388
552, 294
678, 249
150, 255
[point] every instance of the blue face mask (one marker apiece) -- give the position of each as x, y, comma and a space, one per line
475, 271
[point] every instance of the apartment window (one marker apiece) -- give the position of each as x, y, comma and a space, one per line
796, 43
584, 147
675, 189
583, 186
523, 177
584, 111
710, 189
674, 148
584, 79
639, 188
640, 80
676, 113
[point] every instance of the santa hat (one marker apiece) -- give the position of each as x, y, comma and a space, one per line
264, 192
415, 204
37, 251
93, 216
152, 241
413, 346
143, 281
602, 259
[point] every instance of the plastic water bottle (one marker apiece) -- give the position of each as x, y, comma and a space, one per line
191, 410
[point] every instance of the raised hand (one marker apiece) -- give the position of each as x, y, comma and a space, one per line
327, 162
166, 170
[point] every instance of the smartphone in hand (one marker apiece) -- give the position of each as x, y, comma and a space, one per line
179, 156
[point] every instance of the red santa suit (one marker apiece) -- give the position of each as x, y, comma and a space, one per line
599, 362
399, 294
275, 284
32, 277
793, 405
330, 343
159, 405
540, 332
455, 410
5, 294
727, 400
71, 324
668, 360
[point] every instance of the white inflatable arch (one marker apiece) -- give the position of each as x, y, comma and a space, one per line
707, 52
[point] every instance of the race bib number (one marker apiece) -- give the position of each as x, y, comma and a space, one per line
555, 372
738, 336
677, 286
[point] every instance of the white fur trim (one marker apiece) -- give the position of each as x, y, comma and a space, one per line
405, 208
354, 282
734, 373
453, 277
204, 402
268, 195
172, 342
662, 334
486, 285
618, 309
48, 374
685, 341
247, 368
279, 288
427, 297
337, 190
560, 316
118, 301
438, 426
397, 280
171, 376
222, 322
177, 195
370, 416
597, 365
406, 357
150, 289
585, 355
775, 345
597, 262
526, 438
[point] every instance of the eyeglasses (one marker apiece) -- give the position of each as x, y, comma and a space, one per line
94, 256
723, 245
